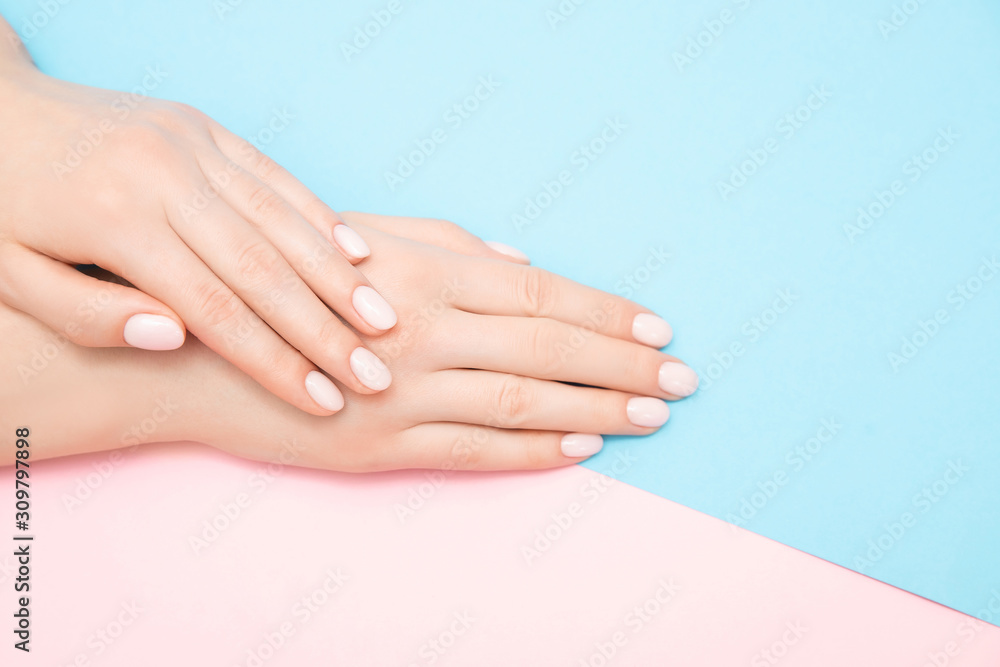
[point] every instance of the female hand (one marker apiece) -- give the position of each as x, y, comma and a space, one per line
497, 366
212, 233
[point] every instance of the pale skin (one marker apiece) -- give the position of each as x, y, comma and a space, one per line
482, 357
494, 364
152, 190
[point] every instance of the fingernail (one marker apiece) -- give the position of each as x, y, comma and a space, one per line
351, 242
576, 445
677, 379
324, 392
651, 412
651, 330
153, 332
373, 308
511, 252
369, 369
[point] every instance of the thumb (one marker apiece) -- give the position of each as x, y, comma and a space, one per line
88, 311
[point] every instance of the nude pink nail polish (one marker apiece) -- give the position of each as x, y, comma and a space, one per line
677, 379
369, 369
648, 412
576, 445
153, 332
510, 251
324, 391
651, 330
375, 310
351, 242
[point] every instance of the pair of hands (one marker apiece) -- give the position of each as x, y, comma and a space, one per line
220, 240
496, 366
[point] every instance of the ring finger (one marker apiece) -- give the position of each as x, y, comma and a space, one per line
515, 402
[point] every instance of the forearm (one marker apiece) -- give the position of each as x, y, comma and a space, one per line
77, 400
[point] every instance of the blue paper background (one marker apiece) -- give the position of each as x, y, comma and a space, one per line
688, 126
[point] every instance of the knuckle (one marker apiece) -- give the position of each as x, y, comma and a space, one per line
544, 348
257, 265
467, 452
145, 141
446, 228
264, 167
264, 204
218, 305
167, 117
513, 402
186, 111
535, 291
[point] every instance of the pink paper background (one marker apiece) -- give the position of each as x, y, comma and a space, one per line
120, 561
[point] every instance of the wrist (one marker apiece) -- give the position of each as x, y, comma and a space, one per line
13, 52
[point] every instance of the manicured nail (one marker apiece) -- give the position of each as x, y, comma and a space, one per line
677, 379
651, 330
324, 392
369, 369
576, 445
651, 412
351, 242
505, 249
373, 308
153, 332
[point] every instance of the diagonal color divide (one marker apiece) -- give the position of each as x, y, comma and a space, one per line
807, 193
